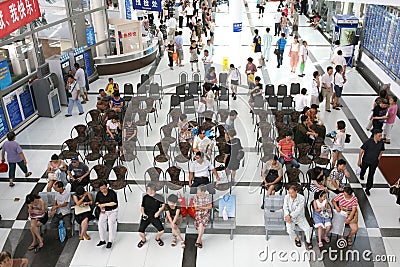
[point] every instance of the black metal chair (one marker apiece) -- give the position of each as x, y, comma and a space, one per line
223, 95
155, 92
282, 91
128, 92
269, 90
295, 89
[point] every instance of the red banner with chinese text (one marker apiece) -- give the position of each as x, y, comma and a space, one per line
16, 13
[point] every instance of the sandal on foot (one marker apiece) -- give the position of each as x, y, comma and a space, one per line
199, 245
87, 237
320, 244
160, 242
327, 240
32, 247
349, 241
183, 245
81, 237
173, 242
141, 243
309, 245
297, 243
28, 174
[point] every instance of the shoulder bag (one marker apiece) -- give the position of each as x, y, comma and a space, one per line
395, 189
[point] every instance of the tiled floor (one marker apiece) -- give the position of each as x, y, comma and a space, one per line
45, 136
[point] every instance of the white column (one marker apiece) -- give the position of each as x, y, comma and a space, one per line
122, 10
236, 14
100, 27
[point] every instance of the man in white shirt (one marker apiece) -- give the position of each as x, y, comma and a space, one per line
326, 87
207, 61
61, 209
301, 100
81, 80
189, 13
73, 97
181, 13
209, 47
294, 214
267, 43
171, 24
199, 173
160, 40
338, 59
315, 88
303, 58
202, 143
277, 19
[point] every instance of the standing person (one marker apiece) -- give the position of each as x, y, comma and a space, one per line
250, 70
315, 88
209, 47
267, 43
261, 8
369, 156
303, 58
107, 201
391, 117
15, 156
189, 14
111, 87
73, 96
338, 59
326, 87
338, 82
338, 142
379, 114
7, 261
179, 48
235, 79
295, 26
294, 54
170, 51
232, 148
277, 19
281, 44
151, 208
171, 24
304, 7
80, 78
181, 12
203, 206
160, 40
257, 47
284, 24
38, 214
194, 54
163, 29
207, 62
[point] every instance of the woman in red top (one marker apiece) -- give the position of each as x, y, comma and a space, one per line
348, 203
286, 150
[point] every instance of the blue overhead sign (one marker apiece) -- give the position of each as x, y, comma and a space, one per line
128, 9
237, 27
150, 5
5, 76
90, 36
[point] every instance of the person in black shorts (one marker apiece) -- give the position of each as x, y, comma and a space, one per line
152, 206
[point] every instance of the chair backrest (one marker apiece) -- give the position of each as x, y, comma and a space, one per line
154, 89
223, 91
295, 89
282, 90
142, 115
274, 202
258, 102
287, 102
48, 198
102, 171
80, 129
193, 88
223, 115
95, 146
189, 101
128, 89
175, 101
72, 144
181, 90
269, 90
142, 90
196, 77
183, 77
273, 102
95, 116
222, 78
144, 77
120, 171
155, 174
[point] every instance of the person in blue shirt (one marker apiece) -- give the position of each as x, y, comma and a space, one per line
117, 103
281, 44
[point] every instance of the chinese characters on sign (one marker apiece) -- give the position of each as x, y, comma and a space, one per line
90, 36
127, 35
16, 13
128, 9
151, 5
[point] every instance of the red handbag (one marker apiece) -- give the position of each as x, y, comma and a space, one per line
191, 210
182, 204
3, 166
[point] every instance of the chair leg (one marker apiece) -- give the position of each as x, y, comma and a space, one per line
126, 200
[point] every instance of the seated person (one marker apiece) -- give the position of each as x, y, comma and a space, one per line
211, 80
129, 132
103, 100
335, 179
303, 132
202, 143
37, 210
311, 113
286, 150
78, 173
61, 209
255, 91
321, 216
347, 203
111, 87
199, 173
272, 176
83, 199
152, 206
320, 22
112, 129
318, 179
294, 214
7, 261
203, 206
174, 219
117, 103
184, 127
230, 121
209, 97
56, 171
